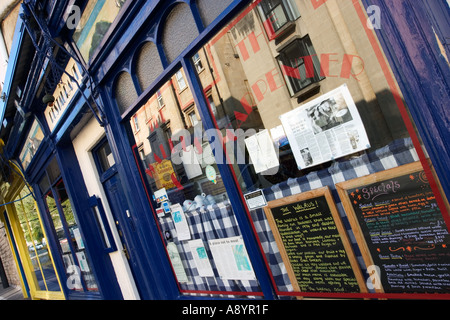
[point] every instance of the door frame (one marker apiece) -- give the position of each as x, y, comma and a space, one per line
124, 224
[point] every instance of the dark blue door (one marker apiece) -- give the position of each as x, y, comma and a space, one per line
120, 211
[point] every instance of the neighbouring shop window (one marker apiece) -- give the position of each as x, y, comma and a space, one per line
198, 226
95, 22
32, 143
283, 145
38, 250
71, 246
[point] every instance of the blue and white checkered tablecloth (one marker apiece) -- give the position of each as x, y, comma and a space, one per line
218, 221
212, 222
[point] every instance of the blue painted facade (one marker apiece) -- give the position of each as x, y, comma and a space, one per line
407, 37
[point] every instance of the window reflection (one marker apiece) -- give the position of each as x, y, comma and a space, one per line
171, 143
36, 242
70, 241
264, 68
68, 235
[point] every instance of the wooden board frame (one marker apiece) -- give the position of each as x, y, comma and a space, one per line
342, 188
324, 191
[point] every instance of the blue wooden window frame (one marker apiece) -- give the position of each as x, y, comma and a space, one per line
425, 89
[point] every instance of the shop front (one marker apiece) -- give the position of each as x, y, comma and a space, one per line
276, 152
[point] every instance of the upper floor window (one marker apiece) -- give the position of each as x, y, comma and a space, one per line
136, 123
197, 62
94, 24
277, 13
300, 65
160, 99
181, 82
193, 118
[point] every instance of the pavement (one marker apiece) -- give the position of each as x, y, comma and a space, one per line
11, 293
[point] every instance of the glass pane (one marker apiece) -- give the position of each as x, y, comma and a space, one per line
105, 157
193, 208
278, 17
148, 65
72, 250
300, 65
76, 238
269, 4
32, 251
36, 243
62, 239
53, 171
94, 24
44, 184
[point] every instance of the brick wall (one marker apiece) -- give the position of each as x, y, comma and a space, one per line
7, 258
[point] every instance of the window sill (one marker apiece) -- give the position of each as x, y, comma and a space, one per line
307, 92
284, 32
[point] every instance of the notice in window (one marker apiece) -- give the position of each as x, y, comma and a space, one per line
181, 225
262, 151
191, 163
325, 129
201, 258
177, 263
231, 259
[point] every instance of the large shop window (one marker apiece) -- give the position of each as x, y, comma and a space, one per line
315, 170
44, 278
71, 247
197, 223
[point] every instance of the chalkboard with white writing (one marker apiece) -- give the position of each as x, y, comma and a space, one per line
313, 243
406, 240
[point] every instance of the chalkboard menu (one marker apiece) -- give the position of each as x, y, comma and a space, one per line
313, 243
402, 230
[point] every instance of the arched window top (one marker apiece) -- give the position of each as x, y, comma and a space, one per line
148, 64
210, 10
